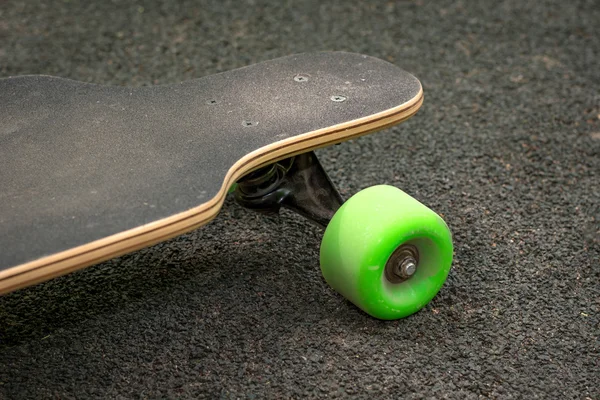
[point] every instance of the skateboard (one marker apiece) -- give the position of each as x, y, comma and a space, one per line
90, 172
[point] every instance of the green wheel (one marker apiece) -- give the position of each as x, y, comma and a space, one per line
232, 188
386, 252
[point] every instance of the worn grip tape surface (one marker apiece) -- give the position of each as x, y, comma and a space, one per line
91, 172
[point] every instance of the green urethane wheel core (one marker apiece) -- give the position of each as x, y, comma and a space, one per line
386, 252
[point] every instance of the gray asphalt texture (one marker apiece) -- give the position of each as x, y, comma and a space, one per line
506, 148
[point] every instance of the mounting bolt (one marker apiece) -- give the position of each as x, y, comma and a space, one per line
338, 98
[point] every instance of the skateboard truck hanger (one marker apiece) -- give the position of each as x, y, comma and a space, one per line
298, 183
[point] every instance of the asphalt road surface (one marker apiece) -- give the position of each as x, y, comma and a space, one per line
506, 148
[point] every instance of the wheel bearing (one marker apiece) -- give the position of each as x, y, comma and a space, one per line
402, 264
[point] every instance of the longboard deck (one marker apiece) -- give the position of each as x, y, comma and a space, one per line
90, 172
